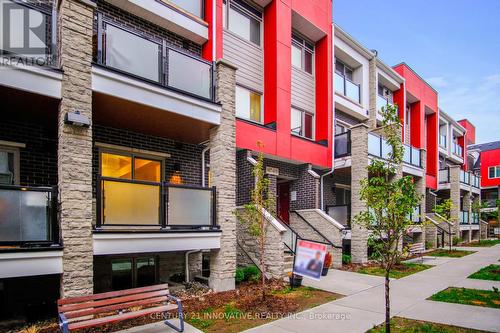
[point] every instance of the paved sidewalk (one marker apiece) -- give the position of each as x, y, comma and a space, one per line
364, 304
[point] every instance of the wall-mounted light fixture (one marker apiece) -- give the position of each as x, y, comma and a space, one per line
76, 119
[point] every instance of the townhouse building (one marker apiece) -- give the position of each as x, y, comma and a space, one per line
486, 159
457, 180
117, 150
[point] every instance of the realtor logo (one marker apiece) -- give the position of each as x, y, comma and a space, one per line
25, 32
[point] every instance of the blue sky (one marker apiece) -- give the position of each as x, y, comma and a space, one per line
453, 44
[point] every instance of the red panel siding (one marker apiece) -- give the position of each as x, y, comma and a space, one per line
488, 159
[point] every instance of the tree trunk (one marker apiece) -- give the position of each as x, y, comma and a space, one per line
387, 305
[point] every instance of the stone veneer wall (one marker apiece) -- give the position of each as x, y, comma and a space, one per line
430, 231
75, 21
372, 92
223, 170
455, 197
359, 162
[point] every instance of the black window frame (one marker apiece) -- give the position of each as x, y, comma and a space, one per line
134, 269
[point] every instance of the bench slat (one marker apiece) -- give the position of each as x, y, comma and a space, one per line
115, 318
95, 297
111, 301
82, 313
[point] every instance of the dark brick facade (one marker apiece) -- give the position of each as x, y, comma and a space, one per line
184, 155
306, 186
430, 201
144, 28
38, 160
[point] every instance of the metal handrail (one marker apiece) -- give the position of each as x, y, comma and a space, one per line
317, 231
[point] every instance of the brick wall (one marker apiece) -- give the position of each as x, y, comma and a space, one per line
144, 27
244, 178
38, 160
188, 156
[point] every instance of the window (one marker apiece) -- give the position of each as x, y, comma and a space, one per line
339, 129
129, 273
343, 69
407, 115
243, 20
130, 189
302, 54
248, 105
302, 123
9, 166
342, 196
494, 172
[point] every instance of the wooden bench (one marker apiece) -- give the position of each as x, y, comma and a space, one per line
100, 309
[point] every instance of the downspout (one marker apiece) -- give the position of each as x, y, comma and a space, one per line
214, 30
187, 263
203, 165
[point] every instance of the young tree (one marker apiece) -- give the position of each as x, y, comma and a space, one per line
253, 213
444, 209
390, 200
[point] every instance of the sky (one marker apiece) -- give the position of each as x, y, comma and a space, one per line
453, 44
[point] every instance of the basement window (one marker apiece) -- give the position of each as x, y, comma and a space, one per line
129, 273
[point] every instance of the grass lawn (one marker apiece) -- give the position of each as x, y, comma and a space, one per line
397, 272
486, 298
403, 325
448, 253
241, 314
491, 272
482, 243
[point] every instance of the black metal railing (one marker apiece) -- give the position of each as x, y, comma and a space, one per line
153, 59
36, 45
342, 144
126, 203
28, 216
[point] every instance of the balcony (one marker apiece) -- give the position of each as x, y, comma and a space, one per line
153, 60
415, 216
444, 176
347, 88
469, 178
475, 218
443, 141
463, 217
412, 156
32, 69
381, 103
457, 150
342, 144
28, 217
378, 146
341, 213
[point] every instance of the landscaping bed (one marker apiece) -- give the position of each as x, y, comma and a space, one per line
485, 298
482, 243
398, 271
230, 311
491, 272
448, 253
403, 325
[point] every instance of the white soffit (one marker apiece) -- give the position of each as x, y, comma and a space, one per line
32, 79
30, 263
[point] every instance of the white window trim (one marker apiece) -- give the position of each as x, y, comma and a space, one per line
13, 148
495, 172
225, 13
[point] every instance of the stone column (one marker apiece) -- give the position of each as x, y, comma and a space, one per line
359, 171
74, 160
373, 90
223, 168
420, 187
455, 197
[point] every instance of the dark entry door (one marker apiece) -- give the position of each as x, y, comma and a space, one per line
284, 202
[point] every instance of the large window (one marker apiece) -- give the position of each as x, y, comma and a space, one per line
302, 123
9, 166
494, 172
302, 54
129, 273
130, 189
243, 20
248, 104
343, 69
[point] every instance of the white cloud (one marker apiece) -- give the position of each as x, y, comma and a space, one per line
476, 101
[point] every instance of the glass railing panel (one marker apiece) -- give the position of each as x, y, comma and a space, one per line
352, 90
25, 216
381, 102
339, 83
444, 176
374, 145
128, 52
342, 144
407, 154
194, 7
442, 140
189, 207
339, 213
386, 149
415, 157
189, 74
126, 203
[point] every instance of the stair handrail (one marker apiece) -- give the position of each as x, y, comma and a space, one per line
287, 226
251, 259
441, 228
317, 231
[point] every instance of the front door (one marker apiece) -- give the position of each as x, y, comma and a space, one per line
284, 202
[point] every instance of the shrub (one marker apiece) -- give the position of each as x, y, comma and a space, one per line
346, 259
428, 245
252, 273
456, 240
240, 275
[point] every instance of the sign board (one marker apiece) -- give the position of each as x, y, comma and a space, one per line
309, 259
293, 196
272, 171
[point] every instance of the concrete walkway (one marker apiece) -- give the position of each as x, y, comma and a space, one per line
364, 308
